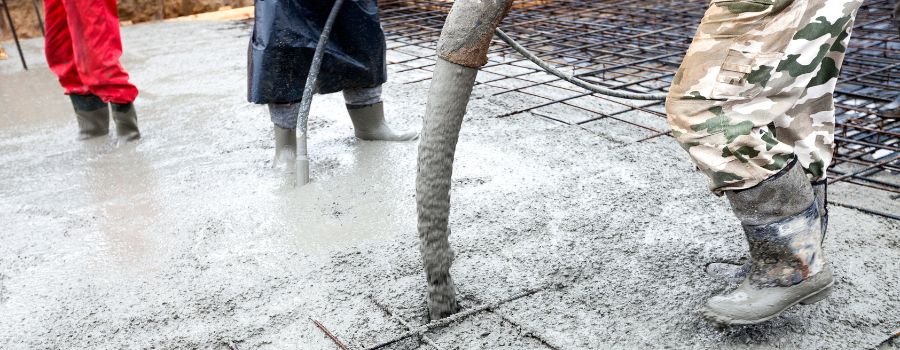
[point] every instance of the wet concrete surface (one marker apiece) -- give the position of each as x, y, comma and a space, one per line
188, 240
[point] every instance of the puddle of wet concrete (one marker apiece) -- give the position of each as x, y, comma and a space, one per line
367, 198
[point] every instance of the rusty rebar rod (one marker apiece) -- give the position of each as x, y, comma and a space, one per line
329, 334
453, 318
394, 315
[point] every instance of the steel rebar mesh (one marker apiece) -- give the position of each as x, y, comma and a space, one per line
637, 45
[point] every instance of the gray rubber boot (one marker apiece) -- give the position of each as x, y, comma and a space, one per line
126, 122
368, 124
285, 145
92, 115
732, 270
781, 221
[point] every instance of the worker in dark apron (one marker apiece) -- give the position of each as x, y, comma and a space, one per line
285, 34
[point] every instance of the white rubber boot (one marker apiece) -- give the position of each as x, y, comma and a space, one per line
368, 124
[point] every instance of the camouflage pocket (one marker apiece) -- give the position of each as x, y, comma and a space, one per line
744, 74
730, 18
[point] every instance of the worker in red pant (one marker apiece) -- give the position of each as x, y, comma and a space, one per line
83, 47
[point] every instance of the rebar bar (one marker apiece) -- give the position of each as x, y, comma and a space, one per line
394, 315
330, 335
454, 318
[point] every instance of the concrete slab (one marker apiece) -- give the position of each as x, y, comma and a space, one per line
187, 240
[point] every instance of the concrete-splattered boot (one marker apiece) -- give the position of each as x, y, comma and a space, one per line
781, 221
92, 115
126, 122
738, 271
368, 124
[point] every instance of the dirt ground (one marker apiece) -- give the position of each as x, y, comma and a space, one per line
187, 239
28, 26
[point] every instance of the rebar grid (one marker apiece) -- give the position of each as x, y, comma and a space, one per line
637, 45
457, 317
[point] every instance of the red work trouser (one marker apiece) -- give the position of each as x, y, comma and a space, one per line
83, 47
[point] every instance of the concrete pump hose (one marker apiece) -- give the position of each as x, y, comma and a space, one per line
312, 77
309, 89
581, 83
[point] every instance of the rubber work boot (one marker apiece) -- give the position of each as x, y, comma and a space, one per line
781, 221
730, 270
92, 115
285, 146
368, 124
126, 122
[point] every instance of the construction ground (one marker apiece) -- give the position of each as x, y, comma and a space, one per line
575, 216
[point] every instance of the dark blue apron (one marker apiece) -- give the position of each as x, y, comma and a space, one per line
285, 33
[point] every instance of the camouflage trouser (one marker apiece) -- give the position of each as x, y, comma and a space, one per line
755, 88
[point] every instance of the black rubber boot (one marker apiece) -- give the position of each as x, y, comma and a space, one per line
368, 124
92, 115
126, 122
781, 221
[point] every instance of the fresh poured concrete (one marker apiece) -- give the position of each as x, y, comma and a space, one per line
187, 239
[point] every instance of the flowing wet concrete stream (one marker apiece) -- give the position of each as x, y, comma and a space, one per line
187, 239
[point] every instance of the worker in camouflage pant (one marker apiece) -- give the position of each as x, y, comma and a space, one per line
752, 105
